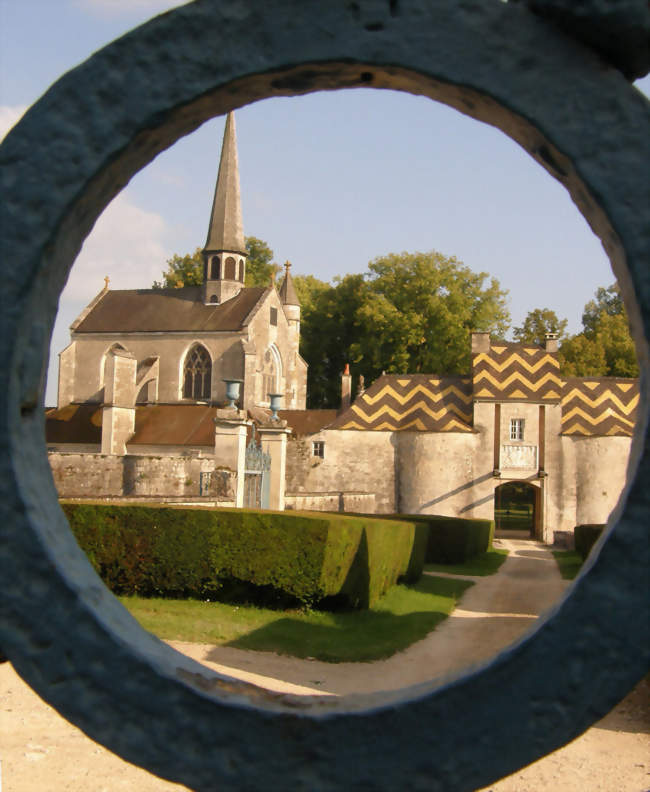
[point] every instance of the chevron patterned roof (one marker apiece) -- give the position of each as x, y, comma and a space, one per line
417, 402
516, 372
599, 406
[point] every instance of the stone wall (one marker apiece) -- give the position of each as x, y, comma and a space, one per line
353, 462
101, 476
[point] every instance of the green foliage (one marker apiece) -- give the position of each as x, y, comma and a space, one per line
173, 552
410, 312
260, 267
454, 540
586, 536
182, 271
569, 563
187, 270
536, 324
605, 346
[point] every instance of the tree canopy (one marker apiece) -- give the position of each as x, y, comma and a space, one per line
605, 346
410, 312
187, 270
537, 324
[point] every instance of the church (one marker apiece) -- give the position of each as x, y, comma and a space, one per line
179, 346
198, 394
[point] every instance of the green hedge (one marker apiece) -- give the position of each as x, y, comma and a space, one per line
453, 540
586, 536
446, 540
198, 552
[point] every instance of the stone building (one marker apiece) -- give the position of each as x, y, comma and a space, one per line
433, 444
141, 409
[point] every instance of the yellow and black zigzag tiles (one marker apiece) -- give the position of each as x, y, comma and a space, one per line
516, 372
599, 406
417, 402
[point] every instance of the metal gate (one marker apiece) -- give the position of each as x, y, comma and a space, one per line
257, 477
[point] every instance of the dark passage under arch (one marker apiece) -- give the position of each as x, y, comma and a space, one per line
516, 506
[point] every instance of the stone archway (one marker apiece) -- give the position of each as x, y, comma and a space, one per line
517, 507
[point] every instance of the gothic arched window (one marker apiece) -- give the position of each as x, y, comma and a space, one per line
197, 374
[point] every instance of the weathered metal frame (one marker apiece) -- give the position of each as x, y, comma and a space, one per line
70, 155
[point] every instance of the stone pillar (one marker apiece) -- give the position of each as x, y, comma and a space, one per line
118, 412
273, 436
230, 427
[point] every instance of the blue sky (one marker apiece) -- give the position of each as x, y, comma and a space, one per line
330, 181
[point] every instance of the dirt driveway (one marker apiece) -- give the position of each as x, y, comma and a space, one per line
40, 750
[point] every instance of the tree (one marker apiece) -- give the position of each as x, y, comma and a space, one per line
260, 266
537, 324
182, 271
187, 270
605, 346
411, 312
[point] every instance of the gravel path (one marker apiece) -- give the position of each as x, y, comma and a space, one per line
40, 750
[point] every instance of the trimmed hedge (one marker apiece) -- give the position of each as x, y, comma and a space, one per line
586, 536
453, 540
200, 552
447, 540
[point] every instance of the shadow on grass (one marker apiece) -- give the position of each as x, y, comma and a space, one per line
485, 564
405, 615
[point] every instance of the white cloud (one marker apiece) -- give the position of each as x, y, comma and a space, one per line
9, 117
126, 244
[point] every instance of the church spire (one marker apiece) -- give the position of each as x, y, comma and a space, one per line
226, 230
224, 254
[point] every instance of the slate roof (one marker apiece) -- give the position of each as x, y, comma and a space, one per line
417, 402
168, 310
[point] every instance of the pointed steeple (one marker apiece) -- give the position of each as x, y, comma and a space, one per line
287, 291
226, 230
224, 254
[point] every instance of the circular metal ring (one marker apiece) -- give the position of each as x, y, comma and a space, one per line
71, 154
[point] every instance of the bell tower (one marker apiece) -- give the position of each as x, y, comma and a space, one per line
224, 254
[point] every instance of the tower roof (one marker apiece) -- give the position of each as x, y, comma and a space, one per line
287, 291
226, 230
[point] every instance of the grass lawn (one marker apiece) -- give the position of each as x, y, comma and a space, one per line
485, 564
404, 615
569, 563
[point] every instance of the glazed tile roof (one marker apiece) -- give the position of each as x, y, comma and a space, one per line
599, 406
417, 402
167, 310
516, 372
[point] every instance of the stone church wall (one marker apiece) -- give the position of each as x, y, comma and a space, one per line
103, 476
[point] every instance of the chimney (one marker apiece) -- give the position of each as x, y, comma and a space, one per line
550, 342
480, 343
346, 388
362, 386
